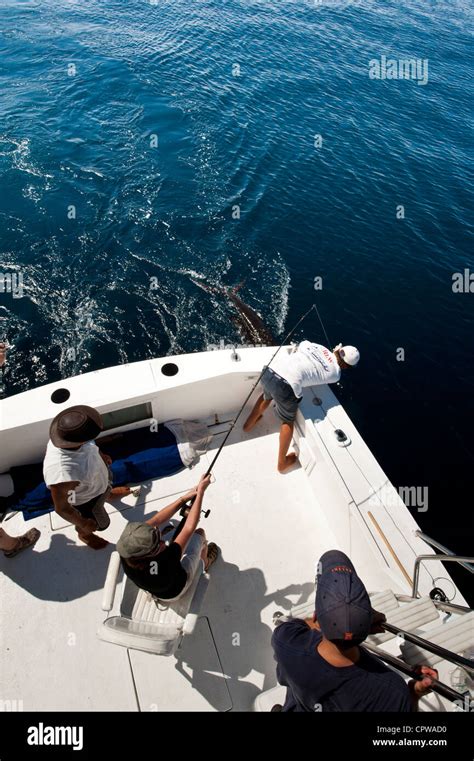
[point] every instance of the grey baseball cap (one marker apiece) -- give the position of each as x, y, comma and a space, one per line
343, 605
138, 540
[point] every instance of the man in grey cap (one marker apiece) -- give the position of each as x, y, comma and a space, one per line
78, 473
167, 570
320, 661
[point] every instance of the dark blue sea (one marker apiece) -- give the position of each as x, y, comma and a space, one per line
158, 143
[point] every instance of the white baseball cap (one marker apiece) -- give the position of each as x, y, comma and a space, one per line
349, 354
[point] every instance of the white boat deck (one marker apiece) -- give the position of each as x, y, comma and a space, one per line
271, 532
271, 528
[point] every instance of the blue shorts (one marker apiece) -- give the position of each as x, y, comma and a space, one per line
277, 388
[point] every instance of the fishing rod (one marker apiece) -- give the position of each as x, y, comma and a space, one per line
285, 341
184, 512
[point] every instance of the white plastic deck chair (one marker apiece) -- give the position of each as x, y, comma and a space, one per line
145, 623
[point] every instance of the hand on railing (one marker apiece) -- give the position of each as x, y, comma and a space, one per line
378, 619
423, 685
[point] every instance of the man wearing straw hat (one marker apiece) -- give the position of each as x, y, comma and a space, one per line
78, 473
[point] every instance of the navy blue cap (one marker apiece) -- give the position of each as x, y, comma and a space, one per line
343, 606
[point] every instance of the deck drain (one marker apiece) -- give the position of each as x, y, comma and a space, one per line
170, 369
60, 395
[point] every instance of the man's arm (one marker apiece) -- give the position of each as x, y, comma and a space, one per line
167, 512
63, 501
418, 687
193, 518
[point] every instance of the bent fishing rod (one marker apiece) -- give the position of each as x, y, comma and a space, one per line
184, 512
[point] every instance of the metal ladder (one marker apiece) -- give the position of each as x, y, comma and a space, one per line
444, 690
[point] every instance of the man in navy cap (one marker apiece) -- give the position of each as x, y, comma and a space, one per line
320, 661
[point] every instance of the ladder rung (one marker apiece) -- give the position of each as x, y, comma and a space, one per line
409, 616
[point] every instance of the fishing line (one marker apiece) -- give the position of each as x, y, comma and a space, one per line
322, 325
285, 341
185, 510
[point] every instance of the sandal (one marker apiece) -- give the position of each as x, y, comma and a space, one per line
212, 554
23, 542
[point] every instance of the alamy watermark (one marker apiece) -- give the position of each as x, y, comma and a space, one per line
11, 706
415, 69
49, 735
12, 283
463, 282
466, 704
412, 496
222, 345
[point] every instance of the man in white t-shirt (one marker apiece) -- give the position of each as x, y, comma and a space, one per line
78, 474
309, 364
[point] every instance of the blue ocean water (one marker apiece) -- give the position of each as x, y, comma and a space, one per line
235, 94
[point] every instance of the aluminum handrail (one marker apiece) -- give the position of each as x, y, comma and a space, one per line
434, 543
442, 652
443, 558
447, 607
450, 607
461, 698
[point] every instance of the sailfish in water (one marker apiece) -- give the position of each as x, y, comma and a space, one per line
249, 324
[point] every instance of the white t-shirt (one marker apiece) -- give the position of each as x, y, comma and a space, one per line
310, 365
84, 465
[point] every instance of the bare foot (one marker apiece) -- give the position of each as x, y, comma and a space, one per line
120, 491
290, 460
93, 541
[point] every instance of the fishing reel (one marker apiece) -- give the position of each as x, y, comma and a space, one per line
184, 512
186, 509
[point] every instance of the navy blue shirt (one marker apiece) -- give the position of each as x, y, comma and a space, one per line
315, 685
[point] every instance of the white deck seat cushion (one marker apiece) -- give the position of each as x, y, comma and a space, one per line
384, 602
456, 635
142, 606
147, 624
